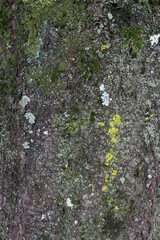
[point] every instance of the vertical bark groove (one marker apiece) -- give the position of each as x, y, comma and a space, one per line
21, 158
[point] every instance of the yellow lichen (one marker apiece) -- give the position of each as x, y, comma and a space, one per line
104, 188
113, 131
100, 123
117, 119
103, 47
114, 173
112, 124
113, 140
106, 178
147, 118
110, 158
73, 59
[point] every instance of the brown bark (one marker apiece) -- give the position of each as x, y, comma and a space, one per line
21, 158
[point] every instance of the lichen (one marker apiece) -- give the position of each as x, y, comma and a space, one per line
30, 117
25, 100
26, 145
110, 158
132, 39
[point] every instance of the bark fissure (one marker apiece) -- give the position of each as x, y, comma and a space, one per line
21, 158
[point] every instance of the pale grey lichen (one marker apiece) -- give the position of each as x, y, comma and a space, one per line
26, 145
30, 117
43, 216
69, 203
25, 100
105, 99
154, 39
110, 16
102, 87
105, 96
30, 80
122, 179
45, 132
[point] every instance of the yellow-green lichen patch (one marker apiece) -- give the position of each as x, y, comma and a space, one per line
116, 208
114, 128
104, 188
114, 173
110, 157
103, 47
101, 124
147, 118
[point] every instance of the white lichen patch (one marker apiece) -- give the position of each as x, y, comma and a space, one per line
25, 100
110, 16
99, 30
105, 99
122, 179
26, 145
102, 87
45, 132
105, 96
38, 132
43, 216
30, 80
30, 117
69, 203
154, 39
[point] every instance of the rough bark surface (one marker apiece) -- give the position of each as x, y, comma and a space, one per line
79, 120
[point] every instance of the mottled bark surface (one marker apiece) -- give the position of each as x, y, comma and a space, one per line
80, 120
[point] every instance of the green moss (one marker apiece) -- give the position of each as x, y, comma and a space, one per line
132, 39
132, 205
63, 104
92, 117
48, 79
89, 64
137, 173
94, 66
96, 222
112, 226
68, 12
143, 66
75, 110
143, 69
154, 2
5, 17
72, 124
143, 2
